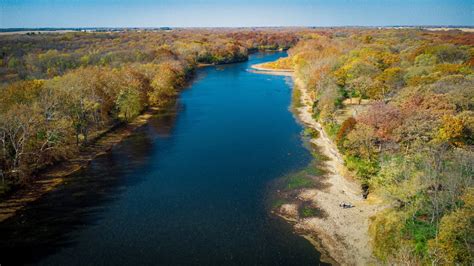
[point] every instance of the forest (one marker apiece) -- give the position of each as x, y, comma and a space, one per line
399, 106
399, 103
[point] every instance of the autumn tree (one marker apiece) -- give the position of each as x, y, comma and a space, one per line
17, 135
455, 241
128, 103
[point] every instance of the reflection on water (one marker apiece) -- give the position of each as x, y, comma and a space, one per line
163, 123
188, 188
43, 226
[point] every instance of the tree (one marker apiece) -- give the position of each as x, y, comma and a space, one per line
21, 92
128, 103
391, 80
18, 127
449, 53
385, 228
361, 141
383, 118
360, 87
54, 128
164, 84
455, 240
425, 60
328, 100
451, 130
81, 103
345, 129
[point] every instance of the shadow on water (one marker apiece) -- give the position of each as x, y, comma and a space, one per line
45, 226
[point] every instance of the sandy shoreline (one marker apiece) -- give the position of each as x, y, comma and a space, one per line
259, 69
58, 173
341, 234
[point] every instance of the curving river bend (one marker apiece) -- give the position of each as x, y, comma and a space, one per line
188, 188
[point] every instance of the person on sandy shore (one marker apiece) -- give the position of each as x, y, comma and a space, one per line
345, 205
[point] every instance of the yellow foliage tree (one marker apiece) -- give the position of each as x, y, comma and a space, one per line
455, 241
385, 229
451, 130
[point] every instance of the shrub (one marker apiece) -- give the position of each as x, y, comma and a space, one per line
364, 168
345, 128
419, 232
311, 132
385, 229
455, 241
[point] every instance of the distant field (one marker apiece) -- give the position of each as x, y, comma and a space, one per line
446, 29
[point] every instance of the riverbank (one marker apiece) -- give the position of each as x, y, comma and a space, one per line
341, 233
260, 69
57, 174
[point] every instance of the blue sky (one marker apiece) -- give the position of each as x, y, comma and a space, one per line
206, 13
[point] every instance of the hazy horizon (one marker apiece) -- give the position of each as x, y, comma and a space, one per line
234, 27
258, 13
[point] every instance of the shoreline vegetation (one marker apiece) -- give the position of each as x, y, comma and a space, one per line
56, 174
342, 232
392, 111
341, 235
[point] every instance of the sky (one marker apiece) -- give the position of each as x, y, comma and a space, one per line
233, 13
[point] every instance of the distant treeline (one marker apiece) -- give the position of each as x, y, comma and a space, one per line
93, 29
35, 29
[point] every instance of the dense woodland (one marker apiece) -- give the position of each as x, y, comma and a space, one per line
408, 138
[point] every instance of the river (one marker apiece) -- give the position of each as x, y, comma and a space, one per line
189, 188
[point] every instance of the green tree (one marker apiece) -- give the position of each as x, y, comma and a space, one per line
129, 104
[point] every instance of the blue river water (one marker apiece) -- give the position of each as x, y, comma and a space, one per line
189, 188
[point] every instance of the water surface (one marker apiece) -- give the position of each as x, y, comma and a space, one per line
188, 188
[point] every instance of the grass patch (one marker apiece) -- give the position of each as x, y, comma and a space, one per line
332, 129
319, 157
310, 132
315, 115
419, 232
296, 98
308, 177
363, 168
314, 169
308, 210
278, 203
299, 180
317, 154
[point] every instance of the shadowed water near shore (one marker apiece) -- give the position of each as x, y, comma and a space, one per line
188, 188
